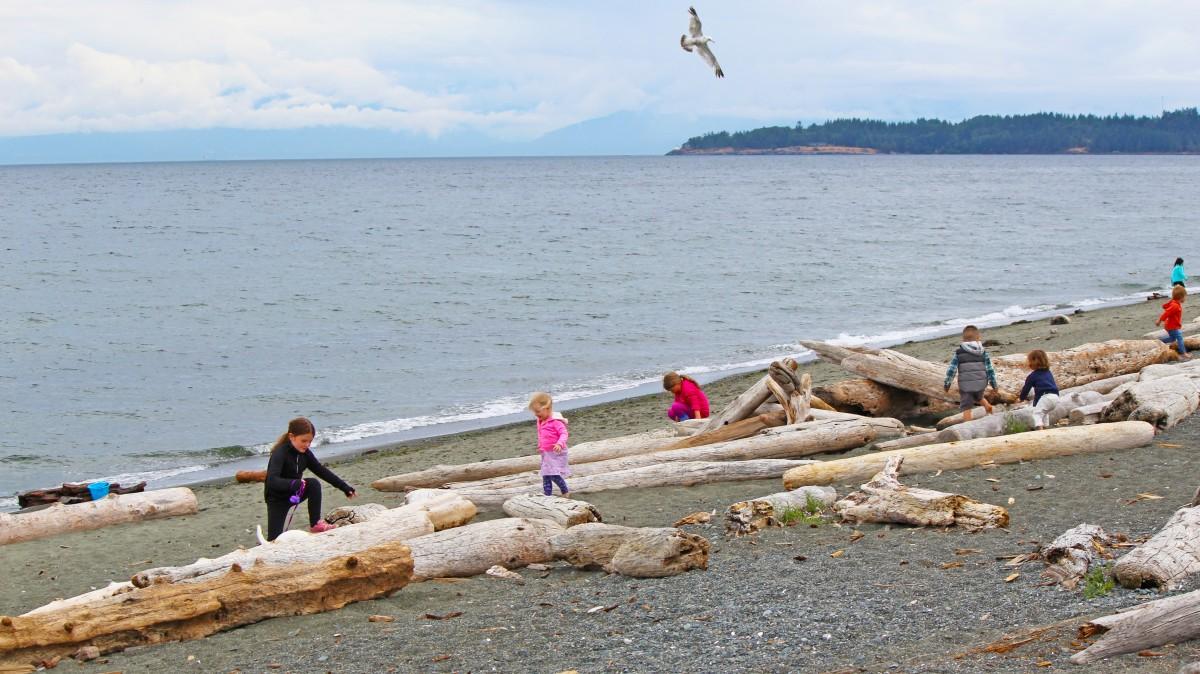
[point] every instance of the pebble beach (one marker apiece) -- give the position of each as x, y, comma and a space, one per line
824, 598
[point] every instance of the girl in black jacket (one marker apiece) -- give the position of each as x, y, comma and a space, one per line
286, 485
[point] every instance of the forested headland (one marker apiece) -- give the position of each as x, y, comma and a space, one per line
1175, 131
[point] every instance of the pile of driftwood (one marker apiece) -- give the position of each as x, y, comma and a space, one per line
373, 552
45, 521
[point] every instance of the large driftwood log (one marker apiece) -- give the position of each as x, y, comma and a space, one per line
783, 442
1162, 402
640, 553
1173, 620
863, 396
472, 549
189, 610
970, 453
677, 474
792, 390
112, 509
563, 511
598, 450
1168, 558
1069, 556
747, 517
733, 431
884, 499
1191, 327
444, 510
745, 404
1107, 388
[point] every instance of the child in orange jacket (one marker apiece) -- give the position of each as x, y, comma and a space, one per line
1172, 320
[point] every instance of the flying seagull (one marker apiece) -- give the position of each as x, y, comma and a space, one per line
697, 40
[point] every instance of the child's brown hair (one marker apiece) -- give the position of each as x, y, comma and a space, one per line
1178, 293
1037, 360
971, 334
672, 378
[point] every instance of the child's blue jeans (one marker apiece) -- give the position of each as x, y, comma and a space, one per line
547, 489
1177, 337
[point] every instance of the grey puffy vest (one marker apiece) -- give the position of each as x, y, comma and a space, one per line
972, 374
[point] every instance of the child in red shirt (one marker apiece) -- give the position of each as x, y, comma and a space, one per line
1172, 320
690, 401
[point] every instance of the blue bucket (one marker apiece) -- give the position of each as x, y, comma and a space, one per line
98, 490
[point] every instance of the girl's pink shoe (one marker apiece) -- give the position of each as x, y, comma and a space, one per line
320, 527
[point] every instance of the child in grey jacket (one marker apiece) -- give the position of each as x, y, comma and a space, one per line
974, 367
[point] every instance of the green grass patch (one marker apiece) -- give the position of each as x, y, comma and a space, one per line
1098, 582
1011, 425
809, 513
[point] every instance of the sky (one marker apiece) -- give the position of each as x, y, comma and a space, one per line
514, 71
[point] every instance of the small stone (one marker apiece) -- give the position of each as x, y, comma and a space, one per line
87, 653
1059, 320
537, 567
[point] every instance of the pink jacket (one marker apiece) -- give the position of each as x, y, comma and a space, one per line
551, 432
691, 395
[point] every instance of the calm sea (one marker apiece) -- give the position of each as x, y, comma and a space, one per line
159, 318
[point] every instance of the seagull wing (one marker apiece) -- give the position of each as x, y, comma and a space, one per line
694, 23
683, 43
707, 55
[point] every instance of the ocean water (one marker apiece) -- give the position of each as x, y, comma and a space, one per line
160, 318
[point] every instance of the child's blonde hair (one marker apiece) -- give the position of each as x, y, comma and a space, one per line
971, 334
539, 400
1037, 360
1178, 293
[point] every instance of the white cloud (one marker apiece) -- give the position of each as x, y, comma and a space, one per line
520, 68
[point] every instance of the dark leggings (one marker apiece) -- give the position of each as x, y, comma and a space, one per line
277, 510
547, 489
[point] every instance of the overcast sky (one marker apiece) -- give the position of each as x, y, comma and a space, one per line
515, 70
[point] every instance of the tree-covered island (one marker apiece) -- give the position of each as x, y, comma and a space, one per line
1173, 132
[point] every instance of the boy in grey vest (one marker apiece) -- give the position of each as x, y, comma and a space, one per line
975, 372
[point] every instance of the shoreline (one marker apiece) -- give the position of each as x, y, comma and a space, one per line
342, 451
887, 598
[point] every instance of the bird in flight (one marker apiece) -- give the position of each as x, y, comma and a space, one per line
695, 40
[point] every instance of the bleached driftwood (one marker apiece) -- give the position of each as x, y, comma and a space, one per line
1189, 328
782, 442
563, 511
884, 499
1088, 414
1168, 558
470, 550
747, 517
1173, 620
792, 390
1163, 402
745, 404
347, 515
598, 450
1103, 387
177, 611
677, 474
1069, 556
629, 551
1046, 414
112, 509
732, 431
689, 427
970, 453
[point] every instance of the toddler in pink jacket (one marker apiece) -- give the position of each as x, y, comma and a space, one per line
552, 443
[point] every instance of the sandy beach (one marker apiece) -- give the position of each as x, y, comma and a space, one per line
776, 602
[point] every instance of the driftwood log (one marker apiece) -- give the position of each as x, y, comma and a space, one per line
748, 517
598, 450
629, 551
1104, 387
744, 405
1169, 557
246, 476
177, 611
971, 453
1162, 402
69, 493
790, 442
1069, 556
863, 396
884, 499
1173, 620
563, 511
1189, 328
733, 431
472, 549
347, 515
112, 509
677, 474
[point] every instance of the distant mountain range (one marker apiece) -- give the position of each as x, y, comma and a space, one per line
1175, 132
624, 133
